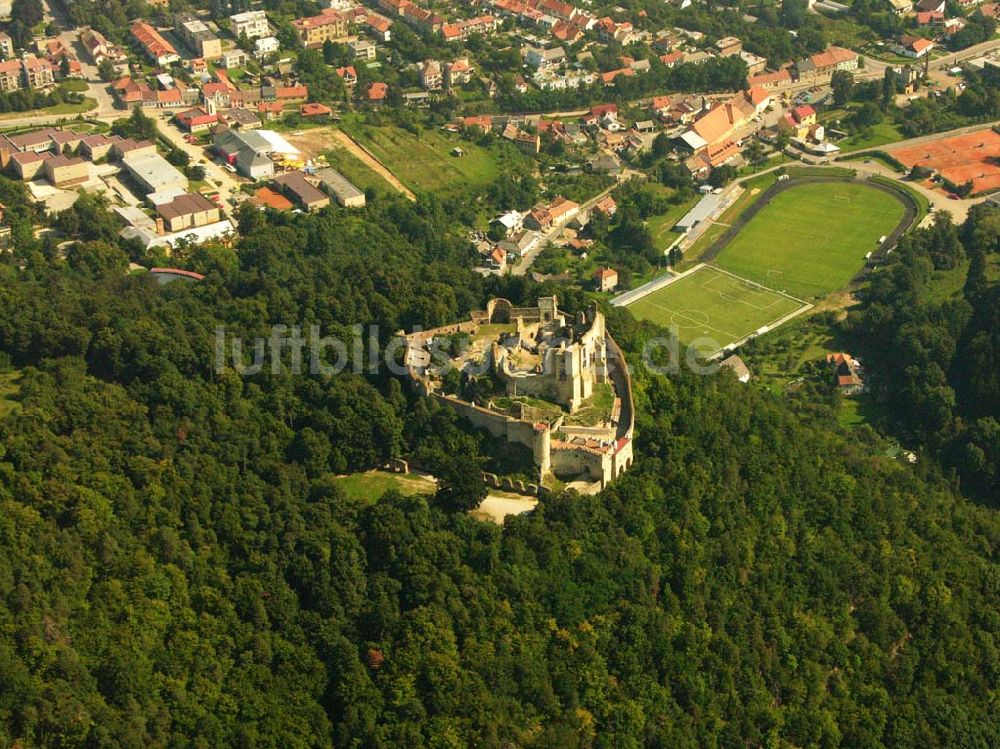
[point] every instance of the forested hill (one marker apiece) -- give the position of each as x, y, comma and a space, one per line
178, 569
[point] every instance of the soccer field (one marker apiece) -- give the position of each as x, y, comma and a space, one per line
812, 239
709, 303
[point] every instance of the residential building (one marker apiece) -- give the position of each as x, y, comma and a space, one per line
849, 373
755, 63
187, 210
823, 64
377, 92
252, 24
349, 75
265, 47
100, 49
10, 76
314, 109
234, 58
198, 36
509, 222
461, 30
771, 81
801, 122
379, 27
543, 58
728, 46
529, 143
913, 46
519, 243
606, 279
362, 49
431, 77
315, 30
302, 192
606, 205
38, 72
155, 47
6, 46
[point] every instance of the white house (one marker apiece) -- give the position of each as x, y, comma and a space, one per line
265, 46
252, 24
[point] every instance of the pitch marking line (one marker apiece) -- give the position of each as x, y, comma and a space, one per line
695, 323
737, 299
758, 285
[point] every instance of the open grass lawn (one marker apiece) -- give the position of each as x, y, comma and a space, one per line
370, 485
661, 225
813, 238
596, 409
59, 109
879, 135
712, 304
425, 162
356, 171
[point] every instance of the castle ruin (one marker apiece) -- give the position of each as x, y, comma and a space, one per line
562, 388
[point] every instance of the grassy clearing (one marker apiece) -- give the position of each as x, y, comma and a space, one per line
356, 171
813, 238
661, 225
10, 389
709, 303
371, 485
873, 137
596, 408
425, 162
880, 156
781, 357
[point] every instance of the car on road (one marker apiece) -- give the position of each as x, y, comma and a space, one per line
953, 196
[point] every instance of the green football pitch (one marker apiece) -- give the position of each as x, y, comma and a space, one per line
812, 239
713, 305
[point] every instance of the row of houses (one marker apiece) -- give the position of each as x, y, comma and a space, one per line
435, 75
817, 68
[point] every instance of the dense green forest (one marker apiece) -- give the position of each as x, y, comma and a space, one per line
936, 360
177, 567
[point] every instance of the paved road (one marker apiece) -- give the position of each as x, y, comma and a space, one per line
948, 61
525, 265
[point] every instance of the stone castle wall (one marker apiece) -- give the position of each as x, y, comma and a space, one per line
568, 377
